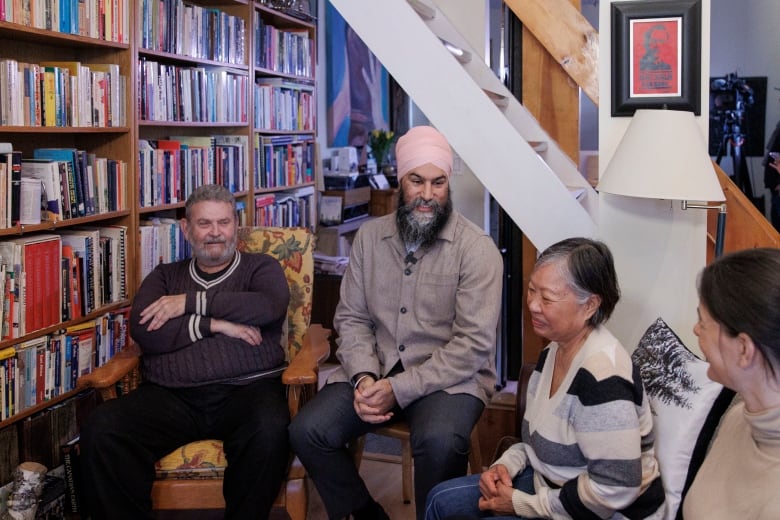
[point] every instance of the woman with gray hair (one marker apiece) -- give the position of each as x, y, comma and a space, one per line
587, 449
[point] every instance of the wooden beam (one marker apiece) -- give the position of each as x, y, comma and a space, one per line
553, 99
569, 38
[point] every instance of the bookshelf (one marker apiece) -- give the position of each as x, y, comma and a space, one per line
185, 103
284, 119
90, 67
192, 114
259, 139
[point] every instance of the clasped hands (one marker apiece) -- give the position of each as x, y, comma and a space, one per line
497, 491
374, 400
165, 308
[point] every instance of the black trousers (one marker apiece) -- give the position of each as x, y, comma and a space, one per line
123, 438
440, 427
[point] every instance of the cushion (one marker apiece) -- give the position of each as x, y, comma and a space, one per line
293, 248
196, 460
687, 407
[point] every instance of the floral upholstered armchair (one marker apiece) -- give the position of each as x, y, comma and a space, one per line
191, 476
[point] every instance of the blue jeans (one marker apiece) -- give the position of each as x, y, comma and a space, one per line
440, 427
459, 497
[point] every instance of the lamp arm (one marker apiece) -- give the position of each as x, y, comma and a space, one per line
720, 230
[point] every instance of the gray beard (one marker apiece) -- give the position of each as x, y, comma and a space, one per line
421, 231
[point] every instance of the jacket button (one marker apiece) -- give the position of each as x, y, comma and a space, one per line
401, 348
407, 271
403, 310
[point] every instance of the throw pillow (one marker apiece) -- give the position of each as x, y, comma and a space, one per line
687, 407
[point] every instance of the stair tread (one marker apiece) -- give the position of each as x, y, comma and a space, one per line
499, 99
425, 11
462, 55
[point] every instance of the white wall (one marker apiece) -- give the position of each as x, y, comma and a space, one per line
744, 38
659, 249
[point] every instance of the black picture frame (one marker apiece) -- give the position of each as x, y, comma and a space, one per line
644, 83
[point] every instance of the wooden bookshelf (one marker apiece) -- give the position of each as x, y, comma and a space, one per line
105, 130
234, 116
284, 117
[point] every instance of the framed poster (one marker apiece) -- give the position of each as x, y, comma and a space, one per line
357, 88
656, 56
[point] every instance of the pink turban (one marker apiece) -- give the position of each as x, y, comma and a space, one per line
422, 145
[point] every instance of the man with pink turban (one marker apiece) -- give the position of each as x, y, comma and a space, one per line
417, 329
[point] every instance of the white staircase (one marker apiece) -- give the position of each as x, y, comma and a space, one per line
486, 126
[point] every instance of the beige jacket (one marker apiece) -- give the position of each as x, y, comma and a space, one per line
437, 315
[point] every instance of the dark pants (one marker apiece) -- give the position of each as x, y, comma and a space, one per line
124, 437
440, 426
774, 210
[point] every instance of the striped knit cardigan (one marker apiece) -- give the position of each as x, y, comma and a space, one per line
591, 443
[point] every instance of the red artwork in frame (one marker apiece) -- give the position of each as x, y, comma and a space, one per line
656, 57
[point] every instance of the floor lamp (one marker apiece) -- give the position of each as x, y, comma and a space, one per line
663, 155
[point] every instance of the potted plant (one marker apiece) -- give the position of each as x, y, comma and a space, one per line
380, 142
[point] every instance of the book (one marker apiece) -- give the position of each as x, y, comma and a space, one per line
35, 439
66, 186
13, 168
74, 486
114, 268
83, 337
73, 295
40, 298
49, 95
64, 427
79, 109
75, 184
84, 176
11, 252
86, 244
47, 171
30, 202
4, 212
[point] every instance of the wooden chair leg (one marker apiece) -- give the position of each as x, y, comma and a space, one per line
356, 449
475, 453
407, 482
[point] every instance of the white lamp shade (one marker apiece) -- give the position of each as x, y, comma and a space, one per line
662, 156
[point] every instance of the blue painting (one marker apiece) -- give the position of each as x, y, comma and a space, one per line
357, 85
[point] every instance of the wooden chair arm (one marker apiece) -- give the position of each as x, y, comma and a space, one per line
301, 375
503, 444
115, 369
522, 389
304, 367
302, 371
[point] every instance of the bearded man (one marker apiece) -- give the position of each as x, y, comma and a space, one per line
417, 327
209, 328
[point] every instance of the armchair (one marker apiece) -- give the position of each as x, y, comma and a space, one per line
191, 476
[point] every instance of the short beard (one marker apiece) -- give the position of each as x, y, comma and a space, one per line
208, 259
422, 231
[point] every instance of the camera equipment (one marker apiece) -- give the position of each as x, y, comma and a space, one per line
729, 98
